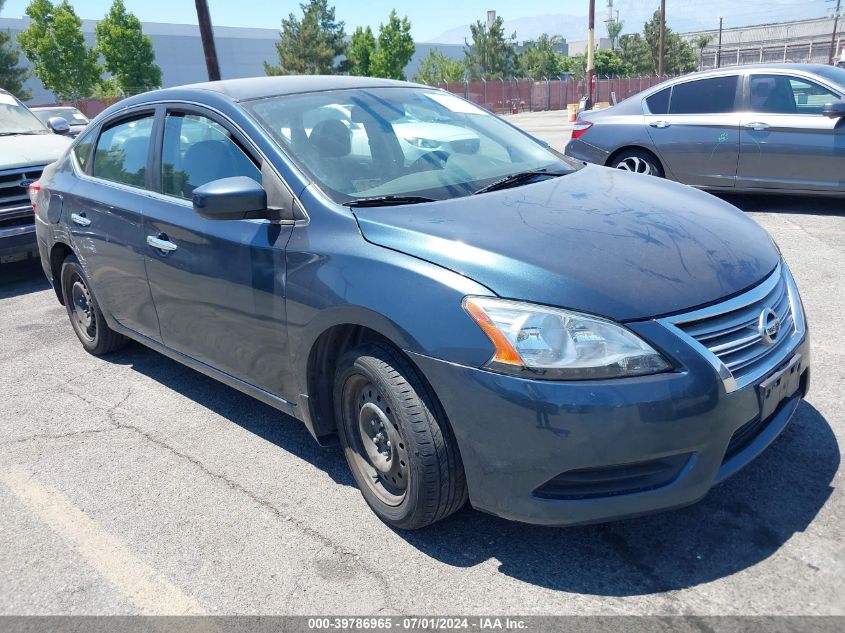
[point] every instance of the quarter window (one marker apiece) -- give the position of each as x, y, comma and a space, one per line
780, 94
198, 150
122, 149
658, 103
82, 150
704, 96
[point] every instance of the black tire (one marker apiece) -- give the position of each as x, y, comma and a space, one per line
638, 161
84, 312
420, 477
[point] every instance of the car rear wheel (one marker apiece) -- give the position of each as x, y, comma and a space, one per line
85, 315
637, 161
396, 440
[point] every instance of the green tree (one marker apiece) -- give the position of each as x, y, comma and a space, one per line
436, 68
679, 56
12, 76
362, 48
614, 29
636, 54
395, 48
540, 59
491, 55
127, 52
576, 66
310, 46
54, 43
609, 63
701, 42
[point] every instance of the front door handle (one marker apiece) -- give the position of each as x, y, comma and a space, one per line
161, 243
759, 126
80, 219
660, 124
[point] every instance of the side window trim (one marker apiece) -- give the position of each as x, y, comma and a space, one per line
105, 126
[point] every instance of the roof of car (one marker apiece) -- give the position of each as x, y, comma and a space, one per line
257, 87
55, 107
810, 68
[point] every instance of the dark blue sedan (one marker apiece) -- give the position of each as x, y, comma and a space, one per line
474, 315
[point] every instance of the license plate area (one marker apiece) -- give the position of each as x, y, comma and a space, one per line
779, 386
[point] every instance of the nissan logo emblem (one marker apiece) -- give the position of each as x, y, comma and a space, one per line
768, 326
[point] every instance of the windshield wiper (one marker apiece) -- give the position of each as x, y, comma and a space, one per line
27, 132
518, 178
387, 201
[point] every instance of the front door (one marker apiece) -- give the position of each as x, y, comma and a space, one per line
786, 142
697, 136
218, 285
106, 208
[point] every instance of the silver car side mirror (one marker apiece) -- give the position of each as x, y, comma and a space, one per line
58, 125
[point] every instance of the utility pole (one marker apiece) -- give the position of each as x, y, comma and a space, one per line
591, 28
833, 36
207, 36
719, 48
661, 53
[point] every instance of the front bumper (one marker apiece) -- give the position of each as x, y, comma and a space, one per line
18, 239
517, 436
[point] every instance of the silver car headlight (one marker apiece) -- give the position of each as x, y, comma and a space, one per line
553, 343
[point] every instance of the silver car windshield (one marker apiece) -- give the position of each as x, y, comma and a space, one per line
16, 118
367, 143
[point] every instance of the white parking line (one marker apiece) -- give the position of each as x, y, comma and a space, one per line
146, 588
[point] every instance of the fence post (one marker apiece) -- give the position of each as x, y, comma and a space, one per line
485, 91
810, 53
466, 89
785, 47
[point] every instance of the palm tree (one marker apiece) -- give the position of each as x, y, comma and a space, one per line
614, 28
701, 42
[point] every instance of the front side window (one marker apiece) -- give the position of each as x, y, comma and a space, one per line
716, 95
384, 142
781, 94
197, 151
122, 150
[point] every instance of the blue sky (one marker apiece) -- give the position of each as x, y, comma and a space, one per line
429, 18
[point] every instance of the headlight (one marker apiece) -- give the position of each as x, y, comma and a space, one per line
424, 143
559, 344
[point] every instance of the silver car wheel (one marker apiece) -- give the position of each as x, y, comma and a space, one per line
635, 164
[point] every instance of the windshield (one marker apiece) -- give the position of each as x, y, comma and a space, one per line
71, 115
400, 142
15, 118
834, 74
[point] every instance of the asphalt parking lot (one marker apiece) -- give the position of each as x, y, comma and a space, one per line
135, 485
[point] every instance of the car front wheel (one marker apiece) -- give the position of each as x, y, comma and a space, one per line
396, 440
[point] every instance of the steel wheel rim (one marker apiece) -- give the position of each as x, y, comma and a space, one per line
636, 165
378, 448
82, 310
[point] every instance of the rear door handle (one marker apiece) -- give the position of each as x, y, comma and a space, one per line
758, 125
660, 124
80, 219
161, 243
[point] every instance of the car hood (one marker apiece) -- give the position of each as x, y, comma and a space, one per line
599, 240
26, 150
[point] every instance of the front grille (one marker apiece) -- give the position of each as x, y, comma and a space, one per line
609, 481
730, 333
15, 208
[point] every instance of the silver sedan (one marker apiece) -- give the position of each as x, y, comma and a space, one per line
778, 128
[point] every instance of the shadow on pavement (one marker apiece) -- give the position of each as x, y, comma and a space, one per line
739, 524
776, 203
268, 423
20, 278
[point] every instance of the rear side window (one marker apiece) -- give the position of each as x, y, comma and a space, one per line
705, 96
198, 150
121, 153
658, 103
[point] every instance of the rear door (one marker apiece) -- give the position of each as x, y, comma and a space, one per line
696, 130
218, 285
785, 141
105, 210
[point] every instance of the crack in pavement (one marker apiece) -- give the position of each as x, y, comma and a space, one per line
113, 410
56, 436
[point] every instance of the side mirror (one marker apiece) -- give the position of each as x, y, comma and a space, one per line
835, 110
237, 198
58, 125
